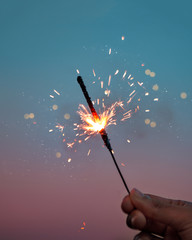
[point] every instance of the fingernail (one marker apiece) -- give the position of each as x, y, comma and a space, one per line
138, 193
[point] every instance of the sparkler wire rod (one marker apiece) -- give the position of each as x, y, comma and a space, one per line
103, 133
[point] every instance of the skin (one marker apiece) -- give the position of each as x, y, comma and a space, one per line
167, 219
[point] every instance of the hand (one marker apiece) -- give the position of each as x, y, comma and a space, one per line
170, 219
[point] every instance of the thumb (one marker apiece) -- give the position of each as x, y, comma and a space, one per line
166, 211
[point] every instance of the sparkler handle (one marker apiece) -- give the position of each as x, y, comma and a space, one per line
88, 99
118, 169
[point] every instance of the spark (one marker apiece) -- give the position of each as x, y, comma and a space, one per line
140, 84
77, 71
60, 127
109, 81
117, 71
93, 126
69, 160
124, 74
70, 145
147, 110
86, 137
50, 130
107, 92
156, 99
122, 38
110, 51
57, 92
146, 94
131, 85
98, 101
129, 76
122, 164
51, 96
94, 73
126, 115
131, 93
101, 84
89, 152
128, 141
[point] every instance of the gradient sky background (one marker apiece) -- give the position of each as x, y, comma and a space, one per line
42, 43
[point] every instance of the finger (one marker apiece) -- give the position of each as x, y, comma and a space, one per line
146, 236
137, 220
165, 211
127, 205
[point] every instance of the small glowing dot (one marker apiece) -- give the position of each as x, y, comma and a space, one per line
69, 160
183, 95
67, 116
147, 121
26, 116
155, 87
31, 115
77, 70
153, 124
128, 141
147, 72
122, 38
152, 74
58, 154
55, 107
142, 65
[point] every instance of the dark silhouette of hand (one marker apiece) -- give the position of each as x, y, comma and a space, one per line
153, 215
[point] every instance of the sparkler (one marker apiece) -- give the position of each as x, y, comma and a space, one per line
102, 132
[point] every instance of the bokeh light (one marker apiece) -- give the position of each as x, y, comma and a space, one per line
54, 107
152, 74
147, 72
58, 155
155, 87
67, 116
153, 124
26, 116
147, 121
183, 95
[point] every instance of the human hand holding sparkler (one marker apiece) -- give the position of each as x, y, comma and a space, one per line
170, 219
